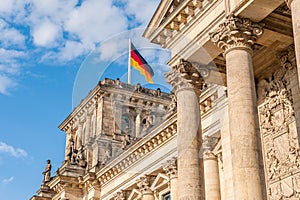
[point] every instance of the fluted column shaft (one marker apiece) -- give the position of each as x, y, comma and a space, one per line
236, 37
188, 130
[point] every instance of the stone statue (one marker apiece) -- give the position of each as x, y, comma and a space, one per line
106, 157
126, 141
47, 172
70, 150
80, 158
138, 88
148, 122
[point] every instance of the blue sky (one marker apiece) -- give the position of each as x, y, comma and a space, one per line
52, 52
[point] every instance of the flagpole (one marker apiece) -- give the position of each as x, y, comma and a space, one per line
129, 63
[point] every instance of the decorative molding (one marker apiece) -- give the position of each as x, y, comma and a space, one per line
236, 32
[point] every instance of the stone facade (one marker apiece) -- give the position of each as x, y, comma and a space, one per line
229, 130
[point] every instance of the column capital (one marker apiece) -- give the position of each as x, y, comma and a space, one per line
170, 167
144, 185
186, 75
119, 195
236, 32
209, 144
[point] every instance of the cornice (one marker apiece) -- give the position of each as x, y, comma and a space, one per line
177, 21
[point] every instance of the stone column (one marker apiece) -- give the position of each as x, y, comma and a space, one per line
211, 170
144, 186
171, 170
294, 5
236, 37
187, 82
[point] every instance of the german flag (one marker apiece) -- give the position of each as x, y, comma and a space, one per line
140, 64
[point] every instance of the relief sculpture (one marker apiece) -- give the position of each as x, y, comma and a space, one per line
279, 134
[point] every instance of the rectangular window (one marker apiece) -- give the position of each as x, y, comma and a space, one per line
167, 196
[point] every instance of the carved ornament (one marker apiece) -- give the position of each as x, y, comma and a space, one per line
186, 76
170, 167
236, 32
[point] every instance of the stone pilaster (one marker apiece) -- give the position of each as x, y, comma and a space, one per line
211, 169
138, 123
236, 37
118, 116
87, 128
79, 135
294, 5
170, 169
187, 83
144, 186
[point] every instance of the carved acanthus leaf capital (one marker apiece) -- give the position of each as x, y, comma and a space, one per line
120, 195
209, 144
144, 185
170, 167
236, 32
185, 75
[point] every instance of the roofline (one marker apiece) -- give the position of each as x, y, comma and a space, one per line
155, 17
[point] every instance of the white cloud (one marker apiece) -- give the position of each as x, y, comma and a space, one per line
8, 180
142, 10
6, 5
95, 20
15, 152
73, 49
67, 30
9, 35
6, 84
45, 34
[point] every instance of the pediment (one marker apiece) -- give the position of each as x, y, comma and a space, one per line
218, 148
160, 181
135, 195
